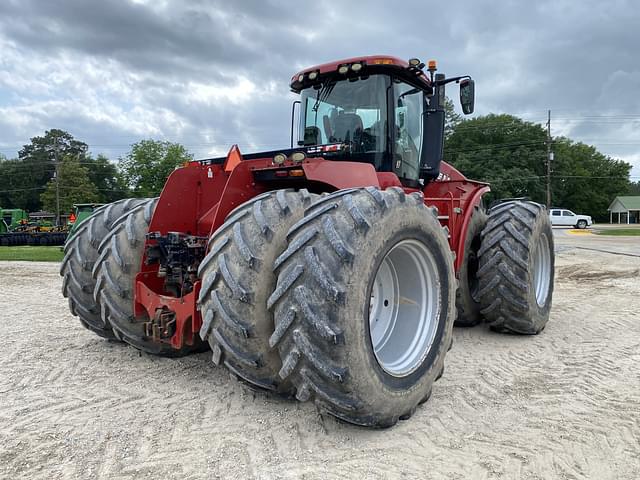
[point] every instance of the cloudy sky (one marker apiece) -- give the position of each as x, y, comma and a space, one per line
210, 73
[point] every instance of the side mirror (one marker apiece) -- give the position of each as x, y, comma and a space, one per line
467, 95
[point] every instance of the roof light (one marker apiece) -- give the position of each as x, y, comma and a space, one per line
301, 77
382, 61
343, 69
296, 173
432, 65
279, 158
298, 156
414, 62
313, 75
356, 67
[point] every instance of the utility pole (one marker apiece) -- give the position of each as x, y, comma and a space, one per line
56, 146
549, 159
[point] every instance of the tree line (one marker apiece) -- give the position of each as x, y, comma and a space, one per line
511, 154
503, 150
29, 181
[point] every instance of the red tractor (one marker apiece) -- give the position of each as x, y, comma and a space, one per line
331, 271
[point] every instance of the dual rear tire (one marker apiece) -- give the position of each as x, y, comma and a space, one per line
357, 321
80, 256
506, 277
516, 268
364, 305
101, 260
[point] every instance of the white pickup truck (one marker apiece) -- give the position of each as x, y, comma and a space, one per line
563, 217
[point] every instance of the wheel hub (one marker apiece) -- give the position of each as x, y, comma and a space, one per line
404, 307
542, 270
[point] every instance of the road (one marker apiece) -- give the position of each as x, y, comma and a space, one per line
567, 239
564, 404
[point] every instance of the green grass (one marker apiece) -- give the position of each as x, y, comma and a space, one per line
31, 254
620, 232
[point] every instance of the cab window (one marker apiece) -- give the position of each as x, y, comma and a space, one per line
567, 213
555, 213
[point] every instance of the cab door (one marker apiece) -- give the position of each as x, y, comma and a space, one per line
407, 110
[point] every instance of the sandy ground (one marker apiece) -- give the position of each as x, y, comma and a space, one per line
564, 404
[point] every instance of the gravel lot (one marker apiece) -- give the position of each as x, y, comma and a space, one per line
564, 404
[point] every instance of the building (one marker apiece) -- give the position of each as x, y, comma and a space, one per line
626, 208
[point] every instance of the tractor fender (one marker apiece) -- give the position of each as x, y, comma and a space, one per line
473, 201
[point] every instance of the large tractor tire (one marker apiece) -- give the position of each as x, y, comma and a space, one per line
467, 293
80, 255
364, 305
115, 270
237, 279
516, 269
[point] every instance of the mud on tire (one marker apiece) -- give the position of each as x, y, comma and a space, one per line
237, 279
80, 255
323, 300
467, 293
516, 269
121, 253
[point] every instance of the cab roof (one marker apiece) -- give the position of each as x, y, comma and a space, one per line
370, 64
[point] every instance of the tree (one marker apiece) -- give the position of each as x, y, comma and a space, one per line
149, 163
503, 150
451, 117
108, 180
35, 166
6, 185
75, 186
634, 188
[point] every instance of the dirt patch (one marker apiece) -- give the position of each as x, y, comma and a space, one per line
563, 404
589, 272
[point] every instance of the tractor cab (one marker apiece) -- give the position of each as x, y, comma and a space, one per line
379, 110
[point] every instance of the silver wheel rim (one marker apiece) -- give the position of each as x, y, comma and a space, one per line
542, 270
404, 308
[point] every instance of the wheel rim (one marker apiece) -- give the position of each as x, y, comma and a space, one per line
542, 270
404, 308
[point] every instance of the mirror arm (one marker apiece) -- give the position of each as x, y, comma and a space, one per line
449, 80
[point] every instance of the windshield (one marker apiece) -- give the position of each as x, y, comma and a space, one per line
349, 112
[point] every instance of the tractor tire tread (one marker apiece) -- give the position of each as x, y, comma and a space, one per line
235, 286
80, 254
305, 335
503, 273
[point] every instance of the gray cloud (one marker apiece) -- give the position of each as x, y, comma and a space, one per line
213, 73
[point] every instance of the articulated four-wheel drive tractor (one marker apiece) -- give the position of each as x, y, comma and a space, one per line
331, 271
